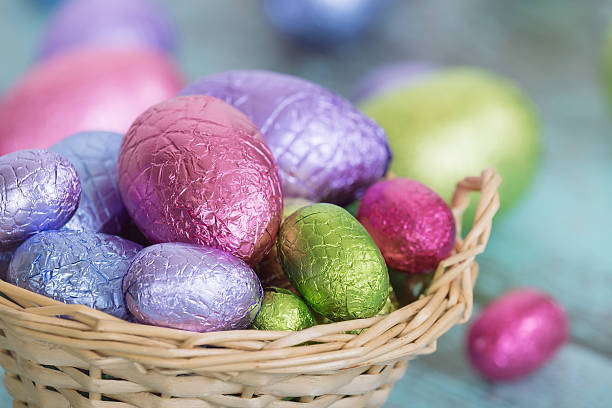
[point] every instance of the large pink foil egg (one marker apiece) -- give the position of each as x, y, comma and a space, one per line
195, 169
98, 89
411, 224
516, 334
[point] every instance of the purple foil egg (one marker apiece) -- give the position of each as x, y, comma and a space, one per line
94, 155
516, 334
109, 23
326, 149
191, 287
40, 190
194, 169
76, 267
389, 77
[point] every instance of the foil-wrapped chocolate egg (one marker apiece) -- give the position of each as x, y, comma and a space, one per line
83, 90
94, 155
325, 148
194, 169
77, 267
192, 287
516, 334
333, 262
40, 191
109, 23
282, 309
411, 224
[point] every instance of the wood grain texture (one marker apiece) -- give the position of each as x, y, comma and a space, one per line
557, 239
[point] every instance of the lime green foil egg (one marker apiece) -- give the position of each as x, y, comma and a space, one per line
333, 262
282, 309
455, 123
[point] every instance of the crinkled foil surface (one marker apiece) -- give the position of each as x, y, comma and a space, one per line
283, 310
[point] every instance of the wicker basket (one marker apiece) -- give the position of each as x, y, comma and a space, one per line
96, 360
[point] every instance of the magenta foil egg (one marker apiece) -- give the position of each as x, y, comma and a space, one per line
326, 149
516, 334
83, 90
194, 169
411, 224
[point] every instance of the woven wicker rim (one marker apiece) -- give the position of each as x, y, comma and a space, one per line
93, 339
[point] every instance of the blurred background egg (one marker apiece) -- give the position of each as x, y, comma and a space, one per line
456, 122
192, 287
94, 155
83, 90
108, 23
76, 267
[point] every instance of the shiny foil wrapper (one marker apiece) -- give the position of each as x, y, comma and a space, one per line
333, 262
516, 334
282, 309
194, 169
191, 287
325, 148
99, 89
40, 191
411, 224
94, 156
108, 23
76, 267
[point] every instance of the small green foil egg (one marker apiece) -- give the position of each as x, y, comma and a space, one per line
333, 262
282, 309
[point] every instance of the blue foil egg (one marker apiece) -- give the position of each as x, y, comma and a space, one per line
76, 267
39, 190
94, 155
192, 287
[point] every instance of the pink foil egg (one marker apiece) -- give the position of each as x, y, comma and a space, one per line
516, 334
194, 169
83, 90
411, 224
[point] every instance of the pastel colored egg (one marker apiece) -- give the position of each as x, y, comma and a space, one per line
516, 334
194, 169
94, 156
282, 309
83, 90
40, 190
326, 149
108, 23
76, 267
411, 224
333, 263
192, 287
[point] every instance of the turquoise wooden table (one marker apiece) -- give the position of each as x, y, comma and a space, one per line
559, 238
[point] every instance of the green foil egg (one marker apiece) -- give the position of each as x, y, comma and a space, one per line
333, 262
455, 123
282, 309
292, 204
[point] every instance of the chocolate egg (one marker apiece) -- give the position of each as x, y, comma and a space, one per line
77, 267
40, 191
411, 224
94, 155
333, 262
325, 148
83, 90
109, 23
516, 334
456, 122
192, 287
194, 169
282, 309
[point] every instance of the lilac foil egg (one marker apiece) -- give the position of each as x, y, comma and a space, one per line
194, 169
108, 23
516, 334
40, 190
76, 267
191, 287
83, 90
326, 150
